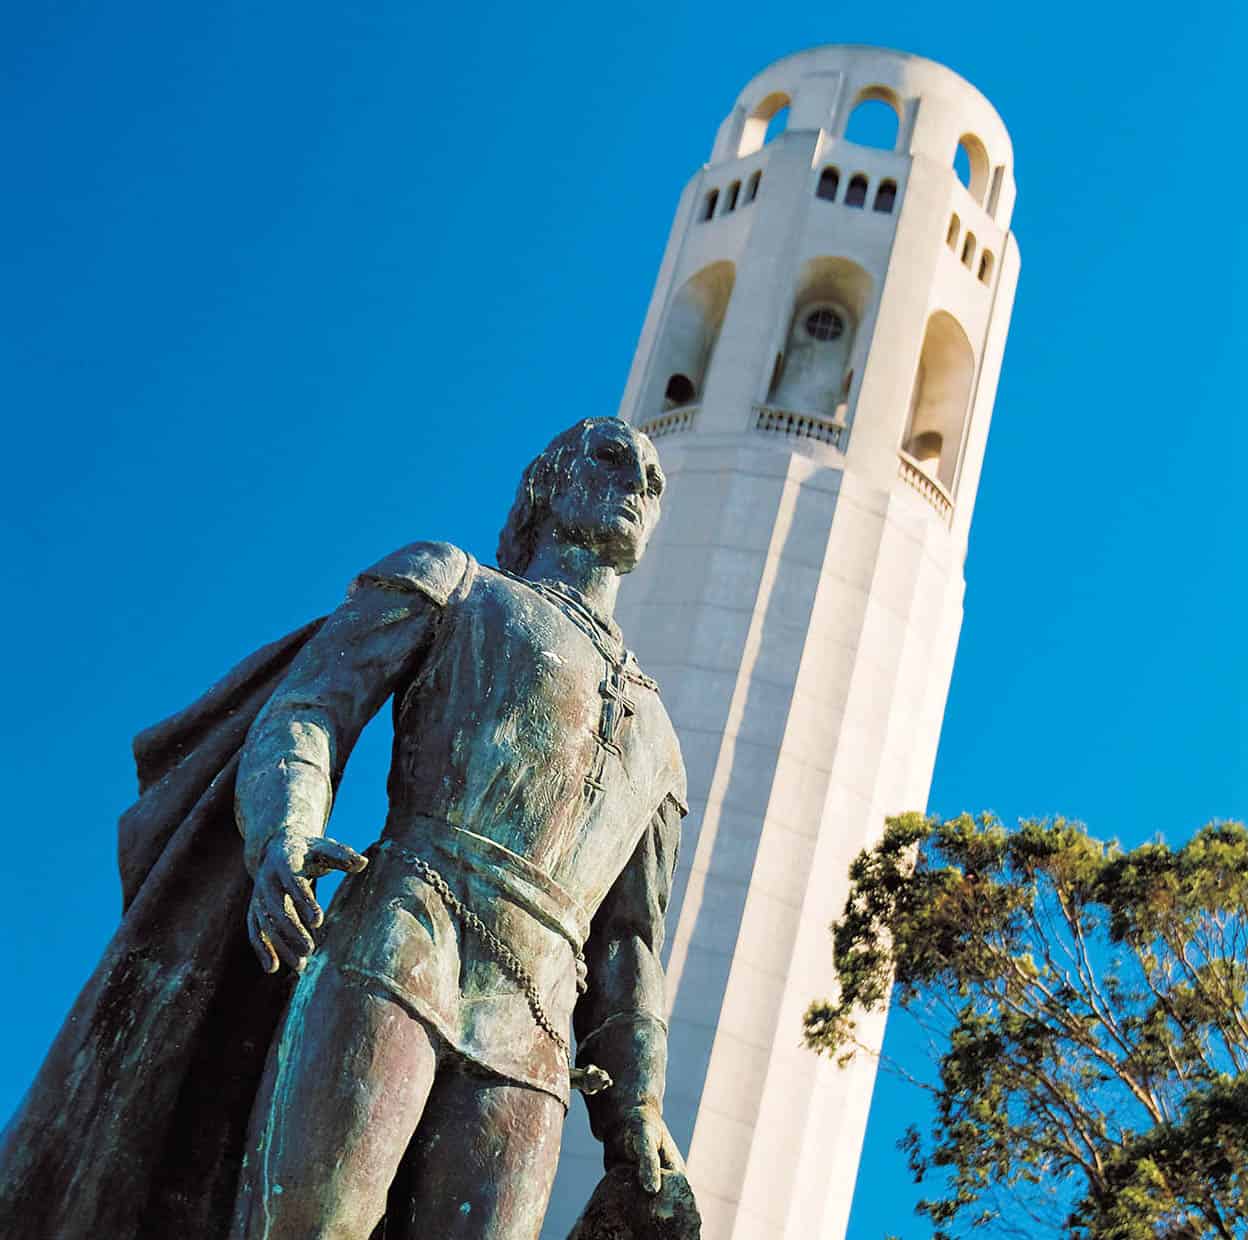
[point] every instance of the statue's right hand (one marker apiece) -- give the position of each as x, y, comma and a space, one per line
283, 910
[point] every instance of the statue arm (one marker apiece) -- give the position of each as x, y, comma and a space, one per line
619, 1021
299, 743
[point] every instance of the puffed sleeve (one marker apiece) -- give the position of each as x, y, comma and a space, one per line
300, 741
619, 1020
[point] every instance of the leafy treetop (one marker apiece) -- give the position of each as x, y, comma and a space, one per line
1088, 1010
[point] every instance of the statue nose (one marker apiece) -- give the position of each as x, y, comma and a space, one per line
637, 475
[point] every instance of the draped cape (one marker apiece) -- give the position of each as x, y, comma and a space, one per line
136, 1122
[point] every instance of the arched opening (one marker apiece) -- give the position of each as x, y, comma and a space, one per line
679, 391
875, 119
940, 400
968, 251
765, 122
886, 196
970, 162
986, 264
962, 165
856, 194
709, 203
829, 183
683, 353
812, 375
955, 231
751, 186
734, 192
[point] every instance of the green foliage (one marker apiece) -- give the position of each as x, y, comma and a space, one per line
1088, 1006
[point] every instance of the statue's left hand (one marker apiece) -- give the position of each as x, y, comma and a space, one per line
642, 1138
283, 909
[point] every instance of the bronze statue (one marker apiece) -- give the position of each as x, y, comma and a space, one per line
416, 1081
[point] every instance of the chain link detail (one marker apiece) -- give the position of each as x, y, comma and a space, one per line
498, 948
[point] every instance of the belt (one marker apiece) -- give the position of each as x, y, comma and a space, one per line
514, 878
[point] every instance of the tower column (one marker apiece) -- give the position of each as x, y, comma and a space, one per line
818, 368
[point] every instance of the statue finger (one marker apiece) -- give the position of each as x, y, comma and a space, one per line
261, 945
325, 854
299, 892
281, 923
289, 948
299, 935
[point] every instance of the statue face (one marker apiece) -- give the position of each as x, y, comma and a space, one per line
608, 500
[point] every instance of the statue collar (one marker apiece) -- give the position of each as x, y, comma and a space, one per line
601, 630
572, 597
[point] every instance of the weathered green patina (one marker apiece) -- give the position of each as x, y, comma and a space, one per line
418, 1078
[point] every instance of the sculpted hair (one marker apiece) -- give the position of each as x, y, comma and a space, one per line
541, 478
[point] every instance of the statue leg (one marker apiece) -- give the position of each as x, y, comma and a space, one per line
482, 1163
345, 1085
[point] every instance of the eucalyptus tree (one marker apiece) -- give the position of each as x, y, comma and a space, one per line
1086, 1012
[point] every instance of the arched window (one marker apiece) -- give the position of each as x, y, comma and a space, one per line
824, 324
734, 192
777, 125
940, 399
708, 207
986, 264
955, 230
968, 251
829, 183
874, 120
679, 391
970, 162
687, 339
856, 194
751, 186
812, 374
886, 196
765, 122
962, 165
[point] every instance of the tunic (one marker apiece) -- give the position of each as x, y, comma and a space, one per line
534, 769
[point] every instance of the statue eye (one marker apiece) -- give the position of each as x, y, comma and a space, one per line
609, 453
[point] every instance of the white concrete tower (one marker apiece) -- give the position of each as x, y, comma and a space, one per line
818, 367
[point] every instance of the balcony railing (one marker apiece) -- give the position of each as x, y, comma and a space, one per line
931, 490
669, 423
795, 425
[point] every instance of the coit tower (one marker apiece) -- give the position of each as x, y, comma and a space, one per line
817, 367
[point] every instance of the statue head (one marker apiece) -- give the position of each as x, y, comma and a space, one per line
597, 485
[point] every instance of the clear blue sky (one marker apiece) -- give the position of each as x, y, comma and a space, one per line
287, 285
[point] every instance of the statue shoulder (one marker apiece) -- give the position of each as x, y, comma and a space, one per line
438, 570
